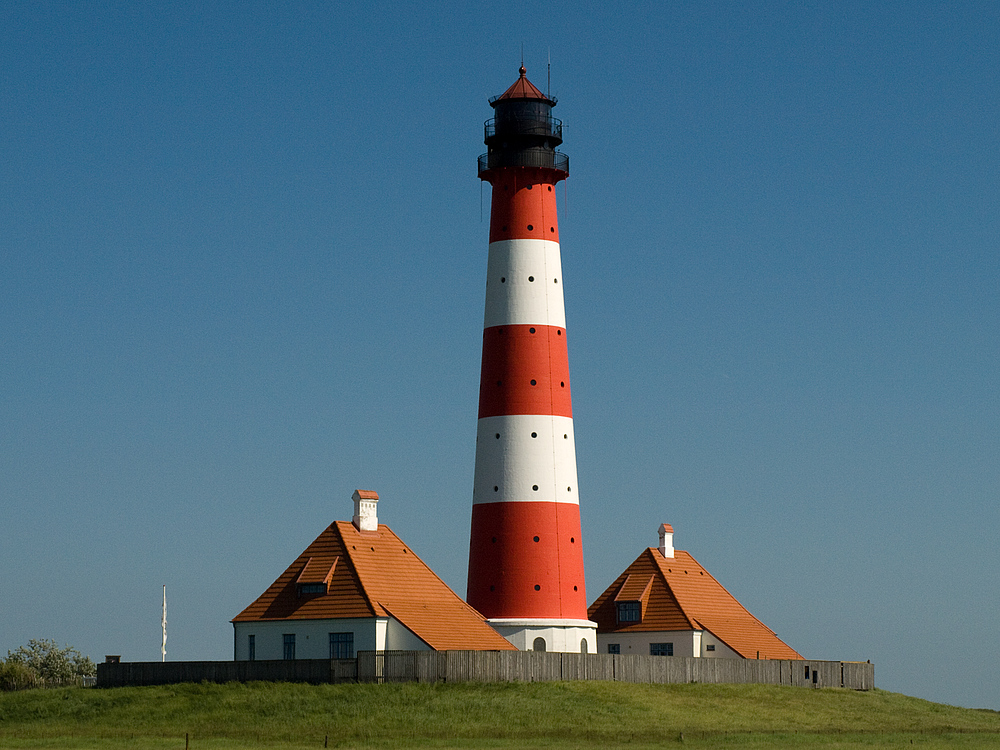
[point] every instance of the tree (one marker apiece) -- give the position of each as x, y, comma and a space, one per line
50, 664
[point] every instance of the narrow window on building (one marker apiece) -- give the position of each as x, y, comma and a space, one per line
288, 652
251, 647
629, 611
538, 645
661, 649
583, 645
341, 645
614, 648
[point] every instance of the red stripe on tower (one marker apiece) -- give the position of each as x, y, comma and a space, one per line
526, 555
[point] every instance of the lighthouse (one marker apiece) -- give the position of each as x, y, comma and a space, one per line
526, 553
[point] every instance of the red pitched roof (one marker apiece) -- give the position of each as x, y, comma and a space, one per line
369, 574
685, 596
522, 88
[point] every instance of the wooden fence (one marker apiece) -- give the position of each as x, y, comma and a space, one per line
497, 666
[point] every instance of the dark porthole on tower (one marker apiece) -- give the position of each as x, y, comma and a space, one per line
550, 188
534, 487
536, 538
530, 278
496, 489
530, 228
537, 587
534, 434
532, 382
531, 330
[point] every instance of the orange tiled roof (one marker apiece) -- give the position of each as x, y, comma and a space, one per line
369, 574
685, 596
522, 88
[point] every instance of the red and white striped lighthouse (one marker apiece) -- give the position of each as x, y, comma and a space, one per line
526, 555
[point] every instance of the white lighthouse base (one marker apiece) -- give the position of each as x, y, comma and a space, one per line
567, 636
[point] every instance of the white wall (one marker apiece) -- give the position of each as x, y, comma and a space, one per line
398, 637
564, 638
312, 637
686, 643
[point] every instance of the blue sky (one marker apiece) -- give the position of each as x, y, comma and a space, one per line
242, 268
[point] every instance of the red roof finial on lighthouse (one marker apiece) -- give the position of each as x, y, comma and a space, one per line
523, 71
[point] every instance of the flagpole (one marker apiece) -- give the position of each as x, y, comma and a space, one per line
163, 623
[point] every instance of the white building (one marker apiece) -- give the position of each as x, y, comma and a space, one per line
667, 604
358, 587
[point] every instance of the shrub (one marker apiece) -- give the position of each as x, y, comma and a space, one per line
17, 676
50, 664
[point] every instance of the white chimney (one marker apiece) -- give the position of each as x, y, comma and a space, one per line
666, 540
365, 512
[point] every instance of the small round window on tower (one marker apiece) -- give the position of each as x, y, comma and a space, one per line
531, 278
538, 588
534, 487
530, 227
536, 538
534, 434
534, 382
531, 330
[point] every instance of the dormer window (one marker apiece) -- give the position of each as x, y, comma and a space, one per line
315, 576
629, 612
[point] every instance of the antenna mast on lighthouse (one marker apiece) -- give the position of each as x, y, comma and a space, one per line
526, 553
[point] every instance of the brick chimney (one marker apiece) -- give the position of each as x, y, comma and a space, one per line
365, 512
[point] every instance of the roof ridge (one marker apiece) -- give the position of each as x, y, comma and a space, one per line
659, 561
353, 567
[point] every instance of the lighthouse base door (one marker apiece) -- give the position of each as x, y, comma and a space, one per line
565, 636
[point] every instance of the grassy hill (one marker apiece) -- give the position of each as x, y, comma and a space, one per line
534, 715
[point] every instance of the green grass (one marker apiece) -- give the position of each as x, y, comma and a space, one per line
533, 715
